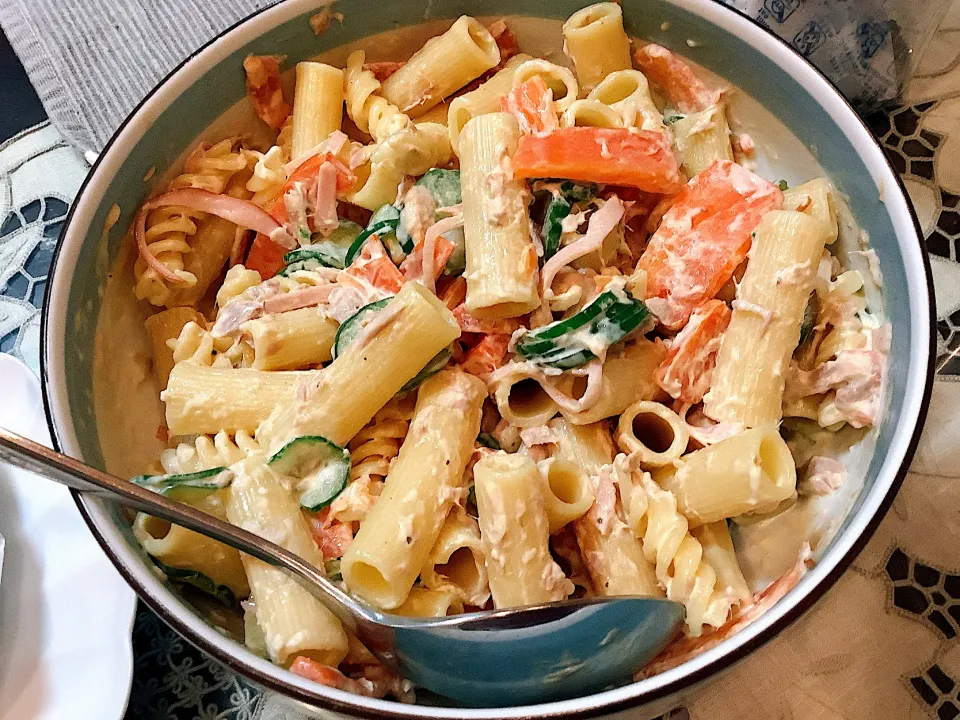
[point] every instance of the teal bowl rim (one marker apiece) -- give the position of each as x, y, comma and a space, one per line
582, 707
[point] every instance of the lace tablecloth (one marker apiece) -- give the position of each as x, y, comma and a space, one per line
882, 644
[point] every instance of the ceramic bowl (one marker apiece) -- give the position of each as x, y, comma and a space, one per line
816, 124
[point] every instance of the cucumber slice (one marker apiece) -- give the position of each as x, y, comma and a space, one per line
438, 363
558, 209
388, 215
443, 185
327, 251
178, 487
351, 327
320, 468
488, 440
563, 344
458, 260
201, 582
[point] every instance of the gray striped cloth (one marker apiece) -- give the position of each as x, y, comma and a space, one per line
92, 61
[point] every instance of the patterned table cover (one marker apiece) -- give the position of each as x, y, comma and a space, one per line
882, 644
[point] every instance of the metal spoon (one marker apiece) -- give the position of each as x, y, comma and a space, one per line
514, 656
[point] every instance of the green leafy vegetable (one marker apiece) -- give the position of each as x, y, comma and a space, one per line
782, 184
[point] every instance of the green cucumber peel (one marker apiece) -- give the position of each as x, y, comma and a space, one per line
319, 467
351, 327
327, 251
610, 316
195, 579
443, 186
438, 363
178, 486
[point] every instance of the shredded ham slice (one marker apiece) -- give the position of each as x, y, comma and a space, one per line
333, 145
297, 299
602, 222
325, 219
593, 370
241, 212
429, 247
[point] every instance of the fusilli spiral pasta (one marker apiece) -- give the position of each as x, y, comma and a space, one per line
678, 558
205, 452
169, 229
379, 442
268, 175
373, 114
197, 345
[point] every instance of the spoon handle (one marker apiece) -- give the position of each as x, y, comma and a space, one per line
35, 458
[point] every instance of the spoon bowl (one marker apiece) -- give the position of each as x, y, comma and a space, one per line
512, 656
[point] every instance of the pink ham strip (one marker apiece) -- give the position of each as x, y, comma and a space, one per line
298, 299
333, 145
602, 222
325, 219
242, 213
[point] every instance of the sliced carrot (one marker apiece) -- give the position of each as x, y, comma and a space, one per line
686, 373
531, 103
307, 172
702, 239
453, 292
615, 156
266, 257
412, 266
470, 324
331, 536
376, 268
264, 89
486, 356
320, 673
683, 88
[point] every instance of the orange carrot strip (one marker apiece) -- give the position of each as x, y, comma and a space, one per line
266, 257
331, 536
470, 324
702, 239
375, 267
486, 356
531, 103
320, 673
687, 370
676, 78
453, 292
615, 156
264, 89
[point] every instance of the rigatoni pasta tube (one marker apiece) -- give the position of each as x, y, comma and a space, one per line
702, 138
442, 66
485, 99
652, 431
291, 340
317, 105
765, 325
501, 260
588, 446
163, 327
567, 492
188, 550
751, 472
628, 93
814, 198
425, 603
293, 621
456, 562
515, 532
522, 401
627, 378
394, 540
205, 400
590, 113
594, 39
718, 551
405, 336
